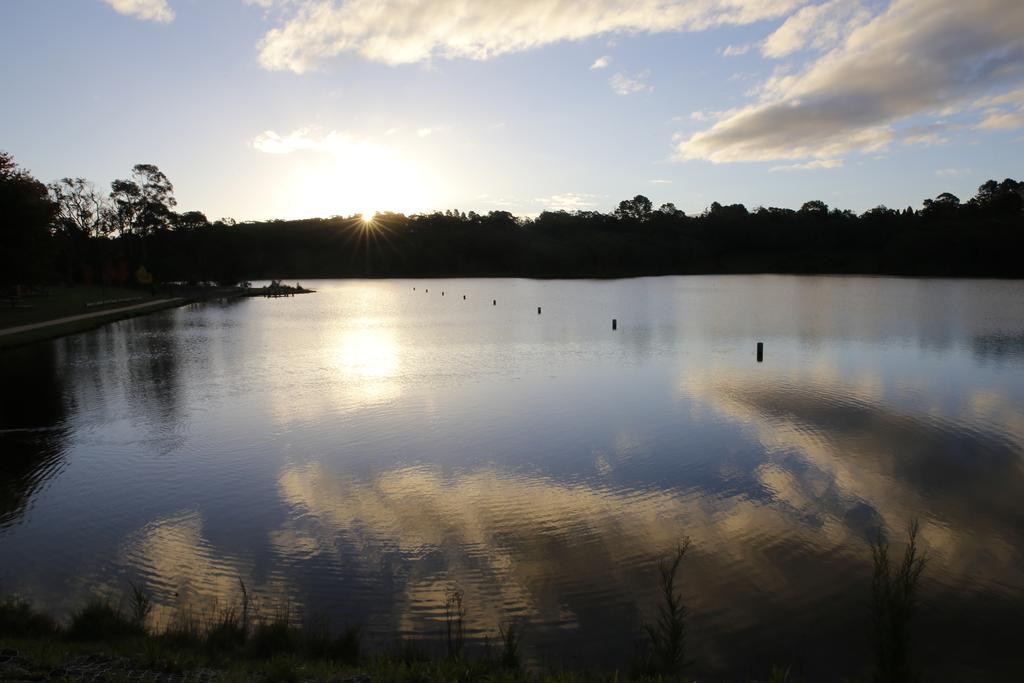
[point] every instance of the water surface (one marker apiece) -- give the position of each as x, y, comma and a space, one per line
359, 451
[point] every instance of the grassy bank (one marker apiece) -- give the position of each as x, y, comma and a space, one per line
60, 327
51, 303
68, 310
104, 642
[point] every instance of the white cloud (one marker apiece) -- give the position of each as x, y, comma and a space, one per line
952, 172
568, 201
926, 139
147, 10
914, 59
1015, 97
816, 26
1002, 112
337, 143
704, 115
810, 165
339, 172
408, 31
661, 181
736, 50
601, 62
623, 84
1003, 121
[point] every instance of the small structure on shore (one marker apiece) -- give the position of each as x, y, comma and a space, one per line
276, 288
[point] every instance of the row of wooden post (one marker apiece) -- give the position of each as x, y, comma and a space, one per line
615, 325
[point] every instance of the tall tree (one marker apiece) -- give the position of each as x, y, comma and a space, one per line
26, 213
143, 204
815, 206
639, 209
190, 221
80, 208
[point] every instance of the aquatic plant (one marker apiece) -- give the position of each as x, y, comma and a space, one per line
893, 603
511, 637
667, 635
454, 617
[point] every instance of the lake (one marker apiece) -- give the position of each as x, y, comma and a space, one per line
360, 451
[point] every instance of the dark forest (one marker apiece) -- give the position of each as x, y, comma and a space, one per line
68, 232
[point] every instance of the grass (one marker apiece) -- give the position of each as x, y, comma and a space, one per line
241, 644
59, 302
99, 620
19, 619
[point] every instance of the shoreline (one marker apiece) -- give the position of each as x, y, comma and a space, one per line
20, 335
61, 327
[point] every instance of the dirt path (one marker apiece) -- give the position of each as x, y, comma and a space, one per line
85, 316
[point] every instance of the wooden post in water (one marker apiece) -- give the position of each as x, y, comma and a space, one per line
442, 293
538, 310
760, 352
615, 324
494, 302
463, 297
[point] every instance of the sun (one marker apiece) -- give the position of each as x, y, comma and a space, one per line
357, 174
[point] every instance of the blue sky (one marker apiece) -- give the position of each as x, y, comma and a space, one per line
289, 108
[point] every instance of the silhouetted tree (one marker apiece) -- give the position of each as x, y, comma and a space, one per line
81, 210
144, 204
26, 214
190, 221
945, 205
669, 209
81, 213
637, 209
982, 237
815, 206
1000, 199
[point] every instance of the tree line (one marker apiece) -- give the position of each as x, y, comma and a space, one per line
70, 232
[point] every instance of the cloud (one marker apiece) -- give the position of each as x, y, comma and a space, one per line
704, 116
569, 201
601, 62
1003, 121
332, 142
147, 10
1002, 112
952, 172
815, 26
409, 31
916, 58
926, 140
660, 181
810, 165
628, 85
736, 50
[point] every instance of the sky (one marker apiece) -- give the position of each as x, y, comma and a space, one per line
260, 109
